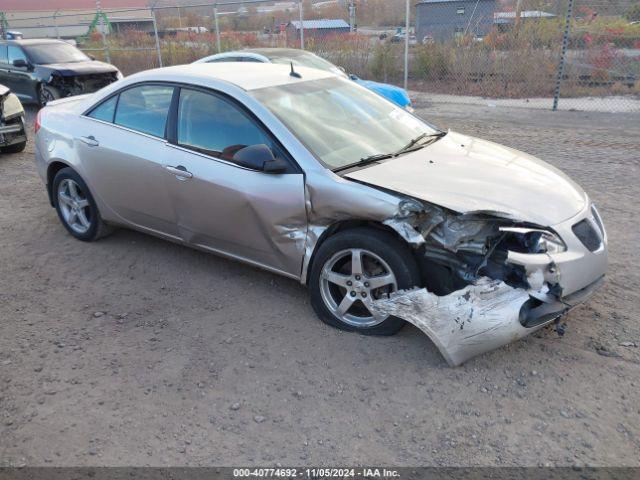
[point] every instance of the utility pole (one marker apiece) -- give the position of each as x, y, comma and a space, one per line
301, 24
217, 26
563, 54
518, 12
406, 46
352, 16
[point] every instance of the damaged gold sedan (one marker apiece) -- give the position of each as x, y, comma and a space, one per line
387, 218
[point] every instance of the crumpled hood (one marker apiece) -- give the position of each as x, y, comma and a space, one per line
466, 174
81, 68
397, 95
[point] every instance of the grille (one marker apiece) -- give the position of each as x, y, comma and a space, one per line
587, 234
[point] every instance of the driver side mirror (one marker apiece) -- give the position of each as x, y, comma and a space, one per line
20, 63
92, 57
259, 157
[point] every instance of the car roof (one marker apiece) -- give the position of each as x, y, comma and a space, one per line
35, 41
280, 52
248, 76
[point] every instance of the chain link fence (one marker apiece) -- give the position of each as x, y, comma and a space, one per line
570, 54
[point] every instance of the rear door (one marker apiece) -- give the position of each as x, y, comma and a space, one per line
221, 206
123, 149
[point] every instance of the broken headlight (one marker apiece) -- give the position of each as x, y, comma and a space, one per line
532, 240
549, 242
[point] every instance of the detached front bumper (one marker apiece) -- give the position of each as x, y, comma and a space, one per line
489, 314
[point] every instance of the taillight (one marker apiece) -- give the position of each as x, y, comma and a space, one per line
37, 125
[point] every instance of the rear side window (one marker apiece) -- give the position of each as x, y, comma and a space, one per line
145, 109
213, 125
105, 110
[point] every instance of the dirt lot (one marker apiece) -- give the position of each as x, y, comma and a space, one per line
135, 351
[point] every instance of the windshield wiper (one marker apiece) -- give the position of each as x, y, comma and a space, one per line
414, 144
365, 161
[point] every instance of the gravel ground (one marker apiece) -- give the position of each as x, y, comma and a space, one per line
136, 351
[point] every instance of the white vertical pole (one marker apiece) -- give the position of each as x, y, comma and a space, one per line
301, 25
406, 47
101, 26
155, 32
215, 21
55, 23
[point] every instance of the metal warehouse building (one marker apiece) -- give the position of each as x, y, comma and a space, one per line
69, 19
442, 20
317, 28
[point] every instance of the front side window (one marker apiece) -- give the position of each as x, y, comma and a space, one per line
106, 110
341, 122
16, 53
210, 124
145, 109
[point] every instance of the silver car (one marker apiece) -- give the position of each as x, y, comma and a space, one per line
385, 217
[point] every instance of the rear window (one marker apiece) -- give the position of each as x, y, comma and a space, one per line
145, 109
105, 110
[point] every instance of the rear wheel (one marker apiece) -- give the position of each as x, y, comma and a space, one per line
76, 207
354, 268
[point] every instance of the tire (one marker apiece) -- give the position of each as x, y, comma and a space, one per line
381, 254
15, 148
76, 207
47, 93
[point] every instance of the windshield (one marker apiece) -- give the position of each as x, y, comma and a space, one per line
340, 122
306, 59
46, 53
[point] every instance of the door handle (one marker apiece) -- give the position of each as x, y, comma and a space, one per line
90, 140
179, 171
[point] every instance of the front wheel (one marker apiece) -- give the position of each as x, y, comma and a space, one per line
47, 94
354, 268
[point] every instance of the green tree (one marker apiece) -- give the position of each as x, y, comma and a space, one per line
633, 14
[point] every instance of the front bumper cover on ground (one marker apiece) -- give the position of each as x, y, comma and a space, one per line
477, 319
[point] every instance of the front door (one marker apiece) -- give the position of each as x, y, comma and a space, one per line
252, 215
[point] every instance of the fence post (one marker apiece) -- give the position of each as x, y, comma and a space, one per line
155, 32
215, 21
55, 24
563, 54
101, 25
301, 24
406, 46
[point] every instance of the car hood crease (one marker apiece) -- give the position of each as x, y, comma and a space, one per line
466, 174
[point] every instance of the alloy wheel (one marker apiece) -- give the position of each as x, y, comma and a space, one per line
349, 282
74, 206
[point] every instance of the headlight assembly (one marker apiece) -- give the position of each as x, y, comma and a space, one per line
533, 240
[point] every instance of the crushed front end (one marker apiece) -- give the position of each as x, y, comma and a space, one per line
12, 129
70, 83
490, 279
